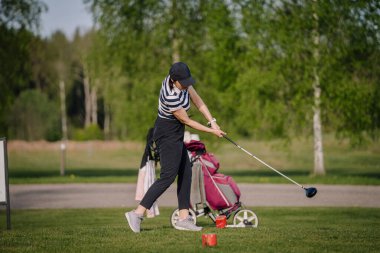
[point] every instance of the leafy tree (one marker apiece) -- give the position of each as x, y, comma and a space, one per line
14, 71
34, 117
17, 18
351, 68
283, 60
21, 13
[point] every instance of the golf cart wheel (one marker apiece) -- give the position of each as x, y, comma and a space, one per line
246, 218
175, 216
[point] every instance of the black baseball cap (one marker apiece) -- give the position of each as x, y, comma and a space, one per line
180, 72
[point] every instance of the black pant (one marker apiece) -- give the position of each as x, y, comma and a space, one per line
168, 135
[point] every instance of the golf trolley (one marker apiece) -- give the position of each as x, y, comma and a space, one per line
212, 193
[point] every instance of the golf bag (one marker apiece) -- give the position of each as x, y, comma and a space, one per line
220, 191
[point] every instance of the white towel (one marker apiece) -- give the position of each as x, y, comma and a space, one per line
146, 177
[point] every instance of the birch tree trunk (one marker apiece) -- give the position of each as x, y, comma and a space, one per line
63, 109
174, 29
319, 168
175, 55
94, 106
64, 126
87, 101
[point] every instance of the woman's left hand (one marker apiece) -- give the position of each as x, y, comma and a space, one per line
215, 126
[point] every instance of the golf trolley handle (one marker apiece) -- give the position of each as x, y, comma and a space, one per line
261, 161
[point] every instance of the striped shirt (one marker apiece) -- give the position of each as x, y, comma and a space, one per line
171, 100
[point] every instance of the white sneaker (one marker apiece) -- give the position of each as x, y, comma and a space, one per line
134, 221
187, 224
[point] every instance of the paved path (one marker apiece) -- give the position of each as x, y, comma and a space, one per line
122, 195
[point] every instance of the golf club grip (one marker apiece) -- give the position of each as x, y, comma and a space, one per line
225, 136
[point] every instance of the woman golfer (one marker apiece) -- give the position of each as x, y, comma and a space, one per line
173, 104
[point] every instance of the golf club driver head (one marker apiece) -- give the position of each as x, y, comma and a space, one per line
310, 192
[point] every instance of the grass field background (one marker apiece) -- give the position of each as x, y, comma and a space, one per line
279, 230
96, 161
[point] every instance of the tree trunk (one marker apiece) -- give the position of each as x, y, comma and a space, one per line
87, 101
174, 29
94, 106
175, 55
319, 168
63, 109
64, 127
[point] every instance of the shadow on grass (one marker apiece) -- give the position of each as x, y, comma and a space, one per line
92, 173
89, 173
352, 173
301, 173
104, 172
247, 173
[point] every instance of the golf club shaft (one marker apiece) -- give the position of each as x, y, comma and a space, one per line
258, 159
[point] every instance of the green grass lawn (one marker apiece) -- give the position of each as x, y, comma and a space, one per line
119, 162
106, 230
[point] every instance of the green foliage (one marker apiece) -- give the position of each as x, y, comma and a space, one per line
33, 117
350, 76
16, 18
92, 132
14, 71
21, 13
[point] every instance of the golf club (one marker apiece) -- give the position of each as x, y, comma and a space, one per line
310, 192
